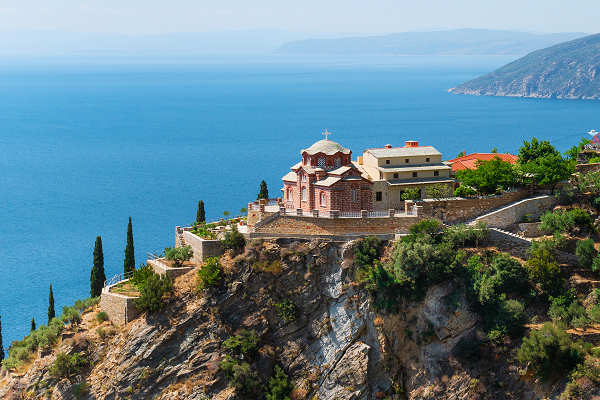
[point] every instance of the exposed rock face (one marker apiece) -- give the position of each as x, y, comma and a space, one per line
338, 347
569, 70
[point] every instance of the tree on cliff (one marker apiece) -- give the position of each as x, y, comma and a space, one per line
1, 347
200, 215
264, 191
33, 324
129, 262
98, 276
51, 312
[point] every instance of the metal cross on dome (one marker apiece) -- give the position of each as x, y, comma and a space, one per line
326, 134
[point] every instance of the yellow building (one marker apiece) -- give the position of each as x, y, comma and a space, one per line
394, 170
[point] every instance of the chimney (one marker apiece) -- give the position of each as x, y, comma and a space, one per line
411, 143
388, 146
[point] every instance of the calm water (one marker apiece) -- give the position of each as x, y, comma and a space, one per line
82, 147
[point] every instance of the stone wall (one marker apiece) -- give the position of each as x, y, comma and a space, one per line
202, 248
120, 309
585, 168
290, 225
514, 213
464, 209
163, 269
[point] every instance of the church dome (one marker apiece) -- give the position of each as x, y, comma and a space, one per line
327, 147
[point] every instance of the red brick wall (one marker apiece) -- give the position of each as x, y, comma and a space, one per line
290, 225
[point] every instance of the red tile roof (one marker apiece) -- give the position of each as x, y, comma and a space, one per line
470, 161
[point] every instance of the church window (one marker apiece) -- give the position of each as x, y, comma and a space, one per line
290, 194
378, 196
304, 195
354, 195
322, 199
338, 162
321, 162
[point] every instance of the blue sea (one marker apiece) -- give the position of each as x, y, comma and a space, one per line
85, 145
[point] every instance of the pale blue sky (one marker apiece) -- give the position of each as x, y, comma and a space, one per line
308, 16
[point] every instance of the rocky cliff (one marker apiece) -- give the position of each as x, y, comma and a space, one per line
336, 347
569, 70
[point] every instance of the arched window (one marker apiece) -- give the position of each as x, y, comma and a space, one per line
354, 195
304, 195
290, 194
321, 162
323, 199
338, 162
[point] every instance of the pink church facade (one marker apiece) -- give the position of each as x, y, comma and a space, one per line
326, 179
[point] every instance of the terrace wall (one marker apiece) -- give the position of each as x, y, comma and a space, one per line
514, 213
120, 309
460, 209
163, 269
202, 248
291, 226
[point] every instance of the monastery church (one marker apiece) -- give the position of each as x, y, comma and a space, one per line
328, 179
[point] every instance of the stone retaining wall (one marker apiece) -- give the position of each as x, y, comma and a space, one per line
296, 226
460, 209
120, 309
163, 269
514, 213
202, 248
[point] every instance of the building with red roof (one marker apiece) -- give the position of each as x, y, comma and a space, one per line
470, 161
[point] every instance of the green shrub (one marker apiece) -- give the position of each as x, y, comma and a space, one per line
179, 255
464, 191
438, 191
543, 270
550, 351
65, 365
152, 292
210, 273
367, 251
140, 275
279, 386
490, 176
287, 311
243, 345
205, 231
427, 226
507, 318
382, 286
585, 253
234, 240
241, 349
562, 221
81, 389
101, 317
410, 194
241, 376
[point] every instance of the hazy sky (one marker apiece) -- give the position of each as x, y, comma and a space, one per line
310, 16
316, 16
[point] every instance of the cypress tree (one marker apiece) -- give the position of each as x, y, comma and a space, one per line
97, 277
129, 263
51, 312
264, 191
1, 347
32, 324
200, 216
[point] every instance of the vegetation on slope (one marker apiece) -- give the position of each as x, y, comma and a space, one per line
567, 70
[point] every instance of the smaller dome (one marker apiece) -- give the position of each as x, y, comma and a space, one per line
327, 147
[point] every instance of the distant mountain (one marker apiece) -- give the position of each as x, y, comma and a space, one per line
568, 70
451, 42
